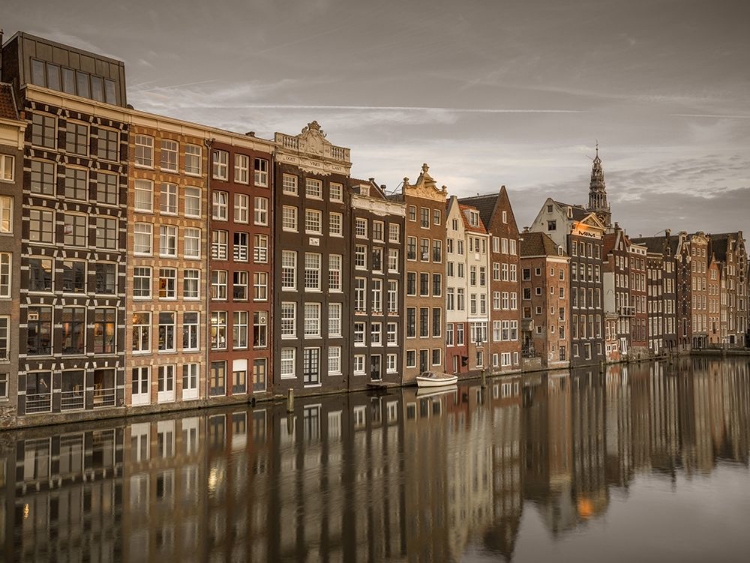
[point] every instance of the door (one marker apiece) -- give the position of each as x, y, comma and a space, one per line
259, 376
141, 385
424, 361
376, 373
311, 366
166, 384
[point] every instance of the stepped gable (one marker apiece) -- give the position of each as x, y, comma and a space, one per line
7, 103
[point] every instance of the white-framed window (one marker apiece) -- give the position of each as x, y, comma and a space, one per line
218, 330
219, 284
168, 198
287, 366
141, 282
260, 286
334, 272
190, 331
393, 296
167, 283
314, 221
359, 364
240, 330
7, 164
394, 232
334, 360
193, 157
43, 177
241, 208
360, 227
289, 184
376, 287
378, 231
141, 332
192, 239
219, 244
312, 320
192, 197
221, 165
376, 334
260, 249
337, 192
360, 293
312, 271
144, 196
391, 363
6, 216
360, 257
5, 279
334, 224
260, 167
168, 155
260, 214
241, 168
167, 240
313, 188
144, 151
411, 358
392, 334
288, 270
288, 320
220, 208
289, 218
393, 260
334, 320
167, 326
142, 238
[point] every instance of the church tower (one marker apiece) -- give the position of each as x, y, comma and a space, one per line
598, 192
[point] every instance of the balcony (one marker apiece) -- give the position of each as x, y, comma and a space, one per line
240, 253
219, 251
627, 311
104, 397
38, 402
71, 400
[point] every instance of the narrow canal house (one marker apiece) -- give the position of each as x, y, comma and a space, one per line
425, 233
729, 250
581, 233
496, 214
456, 290
241, 227
167, 259
312, 253
73, 237
699, 289
12, 130
545, 300
376, 276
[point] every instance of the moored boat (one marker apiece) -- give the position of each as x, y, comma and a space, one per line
435, 379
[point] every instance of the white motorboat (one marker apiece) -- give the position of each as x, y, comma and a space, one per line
435, 379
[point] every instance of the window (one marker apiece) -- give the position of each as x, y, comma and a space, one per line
219, 284
168, 198
260, 249
411, 322
334, 360
218, 379
219, 330
360, 292
260, 215
240, 330
5, 263
392, 296
219, 245
190, 284
377, 296
313, 221
107, 188
260, 166
167, 283
240, 281
193, 157
221, 165
376, 334
334, 224
192, 197
260, 286
76, 183
242, 168
167, 240
334, 319
424, 325
360, 256
287, 367
141, 332
411, 248
289, 218
289, 184
167, 332
424, 284
4, 349
312, 320
43, 132
144, 151
424, 217
107, 233
288, 320
377, 259
288, 270
220, 206
74, 276
242, 208
359, 364
106, 279
240, 249
313, 188
336, 192
394, 232
312, 271
437, 357
437, 251
334, 272
424, 250
190, 331
168, 155
359, 333
260, 329
73, 330
192, 241
75, 230
40, 273
42, 177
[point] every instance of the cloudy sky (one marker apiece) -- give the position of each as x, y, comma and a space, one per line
487, 92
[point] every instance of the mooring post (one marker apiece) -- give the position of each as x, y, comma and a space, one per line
290, 401
484, 378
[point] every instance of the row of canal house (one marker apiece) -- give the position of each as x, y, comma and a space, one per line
153, 263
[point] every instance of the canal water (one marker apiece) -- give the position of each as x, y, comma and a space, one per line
645, 462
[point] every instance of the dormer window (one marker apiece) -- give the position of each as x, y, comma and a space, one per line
364, 190
474, 219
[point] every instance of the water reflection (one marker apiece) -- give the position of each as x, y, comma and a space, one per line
451, 475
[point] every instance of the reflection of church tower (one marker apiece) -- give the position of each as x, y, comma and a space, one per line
598, 192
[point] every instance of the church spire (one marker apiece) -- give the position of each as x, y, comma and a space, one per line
598, 191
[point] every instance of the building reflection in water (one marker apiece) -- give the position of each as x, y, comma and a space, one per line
399, 476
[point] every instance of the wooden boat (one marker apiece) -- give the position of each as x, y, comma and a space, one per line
435, 379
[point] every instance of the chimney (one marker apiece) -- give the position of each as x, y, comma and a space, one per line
667, 232
250, 134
